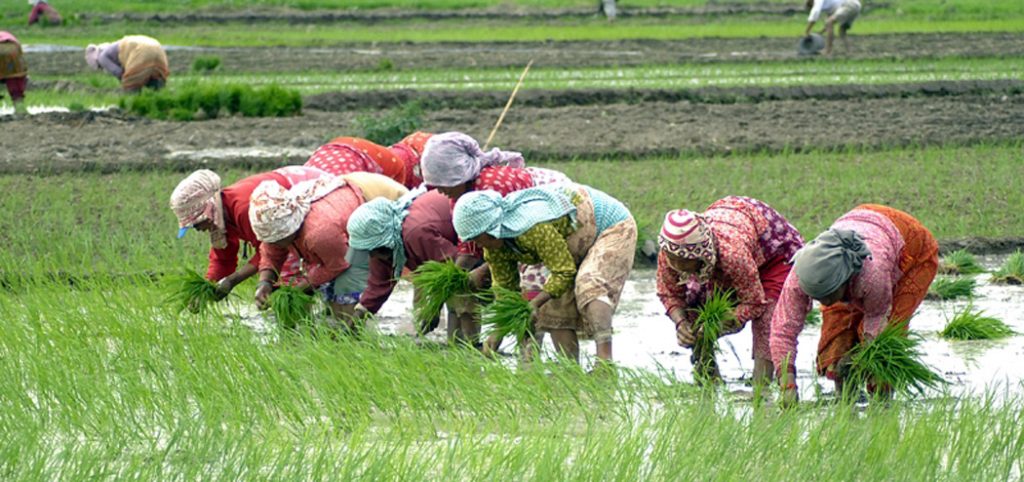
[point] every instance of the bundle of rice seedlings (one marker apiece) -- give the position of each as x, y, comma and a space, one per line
960, 262
974, 325
435, 283
1012, 271
292, 307
509, 314
716, 310
191, 291
813, 317
892, 359
948, 288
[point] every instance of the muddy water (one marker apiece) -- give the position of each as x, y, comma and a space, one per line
645, 339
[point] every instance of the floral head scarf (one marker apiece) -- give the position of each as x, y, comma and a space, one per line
197, 199
276, 213
378, 224
686, 235
507, 217
453, 158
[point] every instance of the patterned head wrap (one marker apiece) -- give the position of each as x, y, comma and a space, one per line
378, 224
823, 265
276, 213
454, 158
197, 199
686, 235
92, 54
506, 217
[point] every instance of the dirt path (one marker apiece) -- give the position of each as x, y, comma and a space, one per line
561, 54
112, 141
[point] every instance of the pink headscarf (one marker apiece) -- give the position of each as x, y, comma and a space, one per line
686, 235
453, 158
196, 199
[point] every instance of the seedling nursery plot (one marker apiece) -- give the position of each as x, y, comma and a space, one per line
118, 361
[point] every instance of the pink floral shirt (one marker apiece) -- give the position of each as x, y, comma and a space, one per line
869, 291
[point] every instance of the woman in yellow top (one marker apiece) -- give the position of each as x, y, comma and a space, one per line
139, 61
585, 237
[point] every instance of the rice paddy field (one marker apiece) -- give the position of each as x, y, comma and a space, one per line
676, 103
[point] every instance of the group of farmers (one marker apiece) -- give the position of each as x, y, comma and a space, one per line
350, 220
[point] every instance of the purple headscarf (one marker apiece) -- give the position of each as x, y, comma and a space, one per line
454, 158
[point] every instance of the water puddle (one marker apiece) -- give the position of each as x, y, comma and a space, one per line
268, 152
7, 109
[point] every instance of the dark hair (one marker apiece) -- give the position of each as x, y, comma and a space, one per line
809, 4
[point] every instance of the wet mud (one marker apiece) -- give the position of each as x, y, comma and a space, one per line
575, 54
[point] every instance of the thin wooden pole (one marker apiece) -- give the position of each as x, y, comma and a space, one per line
507, 105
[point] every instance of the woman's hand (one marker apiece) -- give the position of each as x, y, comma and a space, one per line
263, 291
479, 278
685, 335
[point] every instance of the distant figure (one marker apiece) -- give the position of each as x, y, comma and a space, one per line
40, 7
843, 12
13, 72
137, 60
607, 7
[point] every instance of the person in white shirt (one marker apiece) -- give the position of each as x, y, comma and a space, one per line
843, 12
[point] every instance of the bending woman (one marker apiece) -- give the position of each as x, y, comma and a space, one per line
586, 238
400, 162
13, 71
137, 60
738, 244
870, 269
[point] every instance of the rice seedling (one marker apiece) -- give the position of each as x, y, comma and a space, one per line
711, 317
1012, 271
391, 127
813, 317
948, 288
960, 262
968, 324
435, 283
292, 307
508, 314
891, 360
191, 291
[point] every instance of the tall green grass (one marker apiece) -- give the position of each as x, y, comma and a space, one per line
712, 316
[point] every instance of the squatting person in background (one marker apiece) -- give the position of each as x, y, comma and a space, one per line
41, 8
13, 71
587, 240
872, 268
843, 12
454, 164
404, 234
738, 244
138, 61
400, 162
310, 219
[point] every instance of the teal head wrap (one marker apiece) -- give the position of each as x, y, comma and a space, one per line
378, 224
507, 217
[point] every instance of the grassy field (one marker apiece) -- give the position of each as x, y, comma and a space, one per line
114, 224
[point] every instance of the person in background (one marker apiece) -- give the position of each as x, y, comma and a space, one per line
310, 219
871, 269
739, 244
587, 240
843, 12
404, 234
400, 162
13, 71
137, 60
42, 8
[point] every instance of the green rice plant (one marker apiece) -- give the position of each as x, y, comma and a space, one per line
813, 317
716, 311
183, 103
1012, 271
893, 360
960, 262
292, 307
508, 314
435, 283
391, 127
968, 324
204, 64
191, 291
948, 288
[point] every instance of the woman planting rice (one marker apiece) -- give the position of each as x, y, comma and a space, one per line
137, 60
871, 269
400, 162
40, 8
739, 244
843, 12
583, 236
402, 234
13, 72
311, 220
